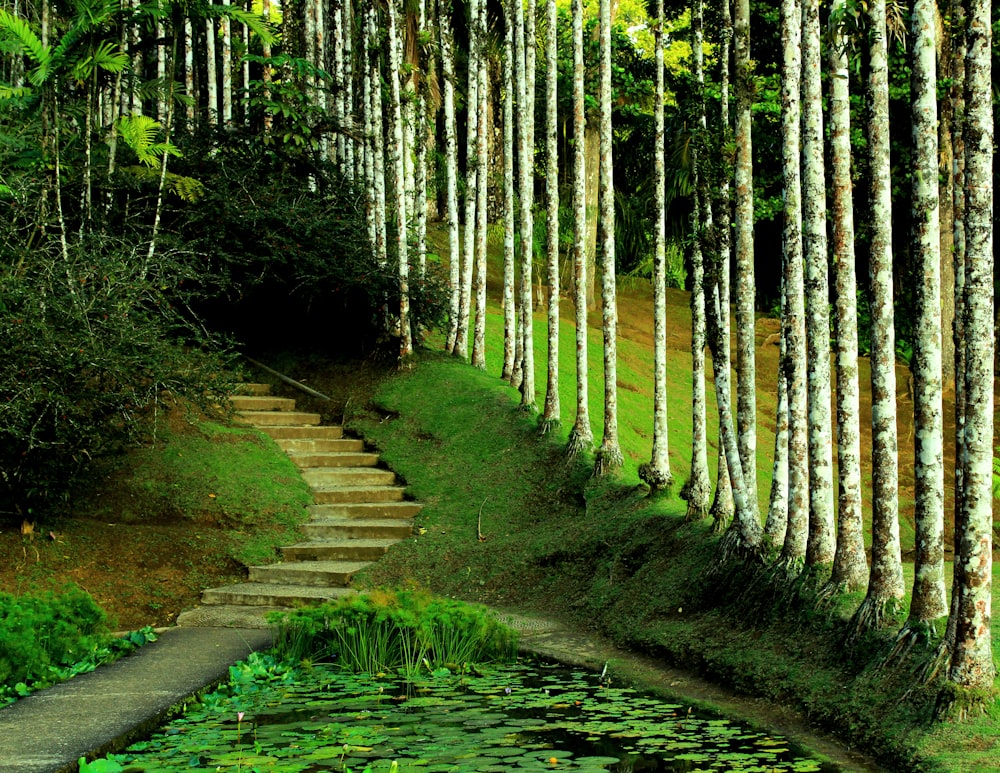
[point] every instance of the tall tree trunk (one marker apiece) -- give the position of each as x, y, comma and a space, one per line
450, 167
550, 412
885, 582
420, 133
509, 214
479, 338
339, 151
581, 437
656, 473
227, 67
746, 394
609, 454
697, 490
793, 314
722, 506
471, 181
525, 43
189, 70
211, 73
850, 565
398, 151
378, 141
972, 671
776, 524
928, 601
822, 540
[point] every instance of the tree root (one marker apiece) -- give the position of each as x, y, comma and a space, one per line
870, 616
607, 460
545, 426
696, 511
659, 481
956, 703
931, 670
578, 443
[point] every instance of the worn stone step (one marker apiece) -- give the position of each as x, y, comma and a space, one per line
272, 594
334, 459
262, 403
278, 418
328, 495
366, 509
348, 476
251, 388
338, 550
228, 616
326, 573
315, 432
321, 446
358, 528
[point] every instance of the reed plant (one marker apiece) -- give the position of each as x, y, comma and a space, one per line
402, 631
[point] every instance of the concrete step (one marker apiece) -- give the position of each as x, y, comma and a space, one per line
325, 573
365, 509
278, 418
334, 459
325, 432
338, 445
338, 550
340, 495
227, 616
348, 476
262, 403
358, 528
253, 389
272, 594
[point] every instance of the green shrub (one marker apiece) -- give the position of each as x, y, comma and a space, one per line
388, 631
41, 636
92, 340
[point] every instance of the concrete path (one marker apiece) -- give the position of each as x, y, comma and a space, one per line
103, 711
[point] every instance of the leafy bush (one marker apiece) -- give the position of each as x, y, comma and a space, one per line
289, 238
92, 340
386, 631
43, 637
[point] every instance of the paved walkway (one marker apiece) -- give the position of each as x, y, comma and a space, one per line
105, 710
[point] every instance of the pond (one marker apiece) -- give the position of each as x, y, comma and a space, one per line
530, 717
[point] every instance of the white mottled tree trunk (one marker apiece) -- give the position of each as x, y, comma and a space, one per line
227, 67
421, 143
776, 524
396, 154
972, 666
189, 71
793, 312
581, 437
471, 181
656, 473
525, 42
885, 582
822, 537
211, 73
550, 411
479, 336
378, 142
746, 395
609, 454
447, 41
509, 205
850, 564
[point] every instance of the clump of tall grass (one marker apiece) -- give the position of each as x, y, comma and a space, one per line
386, 631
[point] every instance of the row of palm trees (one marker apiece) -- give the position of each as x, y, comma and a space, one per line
383, 70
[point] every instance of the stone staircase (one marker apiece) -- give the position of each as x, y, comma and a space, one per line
359, 511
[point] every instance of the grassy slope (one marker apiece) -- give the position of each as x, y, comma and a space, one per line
604, 554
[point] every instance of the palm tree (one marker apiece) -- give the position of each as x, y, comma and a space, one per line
479, 337
447, 43
850, 565
550, 413
525, 42
928, 601
822, 542
656, 473
509, 214
581, 437
609, 454
885, 582
972, 669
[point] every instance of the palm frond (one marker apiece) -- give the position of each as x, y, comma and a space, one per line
17, 28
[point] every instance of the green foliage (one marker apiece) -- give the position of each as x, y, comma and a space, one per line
52, 637
389, 631
289, 237
92, 343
